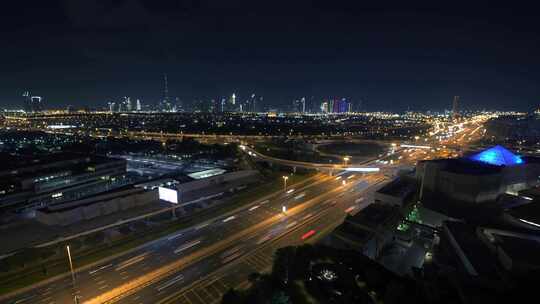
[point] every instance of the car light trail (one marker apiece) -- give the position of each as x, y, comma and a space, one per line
290, 225
132, 261
264, 239
230, 218
350, 209
307, 216
254, 207
171, 282
174, 236
231, 257
308, 234
299, 196
290, 191
187, 246
100, 268
201, 226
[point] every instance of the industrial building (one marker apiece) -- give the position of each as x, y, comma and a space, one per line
36, 182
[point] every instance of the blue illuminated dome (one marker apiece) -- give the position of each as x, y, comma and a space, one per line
498, 156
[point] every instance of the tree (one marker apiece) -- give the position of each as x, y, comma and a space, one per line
231, 297
280, 298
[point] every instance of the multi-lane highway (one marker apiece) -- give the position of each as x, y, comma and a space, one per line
154, 271
198, 264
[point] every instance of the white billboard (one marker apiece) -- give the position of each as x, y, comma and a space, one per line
168, 195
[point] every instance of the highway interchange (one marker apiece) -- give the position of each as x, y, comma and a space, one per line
198, 264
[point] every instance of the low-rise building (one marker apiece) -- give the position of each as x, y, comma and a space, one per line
369, 230
398, 192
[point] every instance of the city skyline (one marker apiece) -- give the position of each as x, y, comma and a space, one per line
391, 58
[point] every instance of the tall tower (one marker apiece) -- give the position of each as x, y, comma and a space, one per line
455, 107
165, 104
27, 103
166, 89
127, 100
138, 106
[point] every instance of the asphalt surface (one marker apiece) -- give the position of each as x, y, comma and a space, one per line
132, 278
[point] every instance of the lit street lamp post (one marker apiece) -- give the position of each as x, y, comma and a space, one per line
285, 178
71, 266
345, 160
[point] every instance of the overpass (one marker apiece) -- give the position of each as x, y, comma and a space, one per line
330, 168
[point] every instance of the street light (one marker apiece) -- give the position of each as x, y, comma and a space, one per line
285, 178
346, 159
71, 266
284, 209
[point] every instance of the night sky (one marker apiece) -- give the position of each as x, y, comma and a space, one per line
393, 58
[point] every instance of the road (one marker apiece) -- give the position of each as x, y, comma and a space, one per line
183, 257
198, 264
365, 167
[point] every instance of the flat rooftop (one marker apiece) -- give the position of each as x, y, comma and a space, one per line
400, 187
10, 162
374, 215
476, 252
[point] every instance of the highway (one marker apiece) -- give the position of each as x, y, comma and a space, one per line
153, 271
198, 264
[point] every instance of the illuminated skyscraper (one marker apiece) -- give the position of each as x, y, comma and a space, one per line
455, 107
324, 107
138, 105
127, 102
111, 106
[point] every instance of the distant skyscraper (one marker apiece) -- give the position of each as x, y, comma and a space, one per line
37, 105
111, 106
27, 102
344, 106
324, 107
127, 102
252, 103
165, 104
222, 105
455, 107
138, 106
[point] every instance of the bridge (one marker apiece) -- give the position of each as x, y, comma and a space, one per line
330, 168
